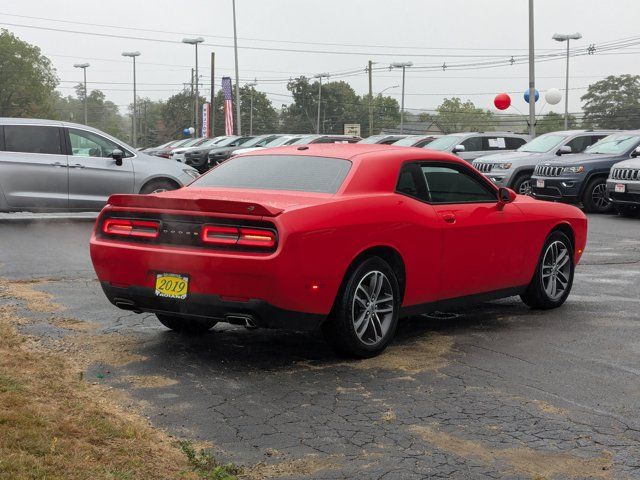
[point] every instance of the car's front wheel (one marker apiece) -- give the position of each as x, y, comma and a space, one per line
158, 186
595, 198
365, 316
185, 325
552, 281
522, 185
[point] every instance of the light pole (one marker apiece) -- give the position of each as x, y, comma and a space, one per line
388, 88
319, 76
532, 75
558, 37
84, 67
134, 118
402, 65
195, 41
235, 54
251, 86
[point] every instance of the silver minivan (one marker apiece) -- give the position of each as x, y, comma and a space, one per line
48, 165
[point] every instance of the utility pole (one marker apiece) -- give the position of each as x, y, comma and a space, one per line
252, 87
370, 98
402, 65
532, 75
235, 51
213, 94
84, 67
134, 118
319, 76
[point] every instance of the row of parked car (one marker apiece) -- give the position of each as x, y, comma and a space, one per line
595, 168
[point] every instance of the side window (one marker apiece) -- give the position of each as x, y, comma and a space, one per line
454, 185
514, 142
578, 144
472, 144
89, 144
494, 143
32, 139
411, 182
325, 140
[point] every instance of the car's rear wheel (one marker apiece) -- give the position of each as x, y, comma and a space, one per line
185, 325
365, 316
522, 184
552, 281
158, 186
595, 198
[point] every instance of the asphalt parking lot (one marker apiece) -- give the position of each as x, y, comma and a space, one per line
498, 391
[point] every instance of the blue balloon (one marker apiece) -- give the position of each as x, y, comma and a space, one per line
526, 95
186, 130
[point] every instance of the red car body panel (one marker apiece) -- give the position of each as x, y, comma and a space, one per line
448, 251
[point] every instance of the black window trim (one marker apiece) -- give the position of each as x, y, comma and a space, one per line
1, 138
436, 163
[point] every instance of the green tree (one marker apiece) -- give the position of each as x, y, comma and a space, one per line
340, 105
386, 114
178, 114
613, 102
27, 79
265, 117
552, 122
455, 116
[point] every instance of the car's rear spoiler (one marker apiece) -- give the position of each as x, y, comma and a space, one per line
208, 205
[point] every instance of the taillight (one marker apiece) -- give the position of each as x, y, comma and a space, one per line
245, 237
131, 228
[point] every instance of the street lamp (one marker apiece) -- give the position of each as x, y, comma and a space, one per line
84, 67
135, 109
559, 37
388, 88
195, 41
235, 56
319, 76
402, 65
251, 86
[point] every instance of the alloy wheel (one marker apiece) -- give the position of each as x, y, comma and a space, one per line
599, 196
525, 187
372, 308
556, 270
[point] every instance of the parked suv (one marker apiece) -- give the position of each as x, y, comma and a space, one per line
198, 159
623, 185
472, 145
514, 169
582, 178
57, 166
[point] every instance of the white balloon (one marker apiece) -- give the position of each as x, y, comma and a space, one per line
192, 130
553, 96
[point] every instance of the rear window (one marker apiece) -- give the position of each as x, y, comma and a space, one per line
32, 139
278, 172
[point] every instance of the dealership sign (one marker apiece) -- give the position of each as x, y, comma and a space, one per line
352, 129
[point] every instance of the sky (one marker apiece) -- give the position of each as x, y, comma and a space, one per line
428, 33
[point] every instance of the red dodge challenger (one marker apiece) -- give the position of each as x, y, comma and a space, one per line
346, 238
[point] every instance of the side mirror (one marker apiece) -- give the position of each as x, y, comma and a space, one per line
505, 195
117, 156
458, 148
636, 152
564, 149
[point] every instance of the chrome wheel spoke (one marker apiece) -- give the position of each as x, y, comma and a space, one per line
386, 299
377, 327
363, 326
384, 310
372, 308
556, 270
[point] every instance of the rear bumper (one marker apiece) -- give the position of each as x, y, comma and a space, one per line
261, 313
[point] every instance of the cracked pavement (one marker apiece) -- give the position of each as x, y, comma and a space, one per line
496, 391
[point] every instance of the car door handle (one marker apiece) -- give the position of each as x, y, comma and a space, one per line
77, 165
449, 217
57, 164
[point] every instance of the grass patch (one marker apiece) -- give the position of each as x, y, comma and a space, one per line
205, 466
53, 425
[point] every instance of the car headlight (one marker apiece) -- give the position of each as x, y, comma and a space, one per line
578, 169
192, 172
503, 166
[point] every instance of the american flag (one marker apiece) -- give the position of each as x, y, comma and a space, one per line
228, 105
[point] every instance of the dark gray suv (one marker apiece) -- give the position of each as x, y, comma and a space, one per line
582, 178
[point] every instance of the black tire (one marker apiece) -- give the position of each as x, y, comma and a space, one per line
595, 198
379, 325
522, 184
186, 325
157, 186
536, 295
628, 211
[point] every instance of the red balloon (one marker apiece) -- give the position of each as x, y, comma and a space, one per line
502, 101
